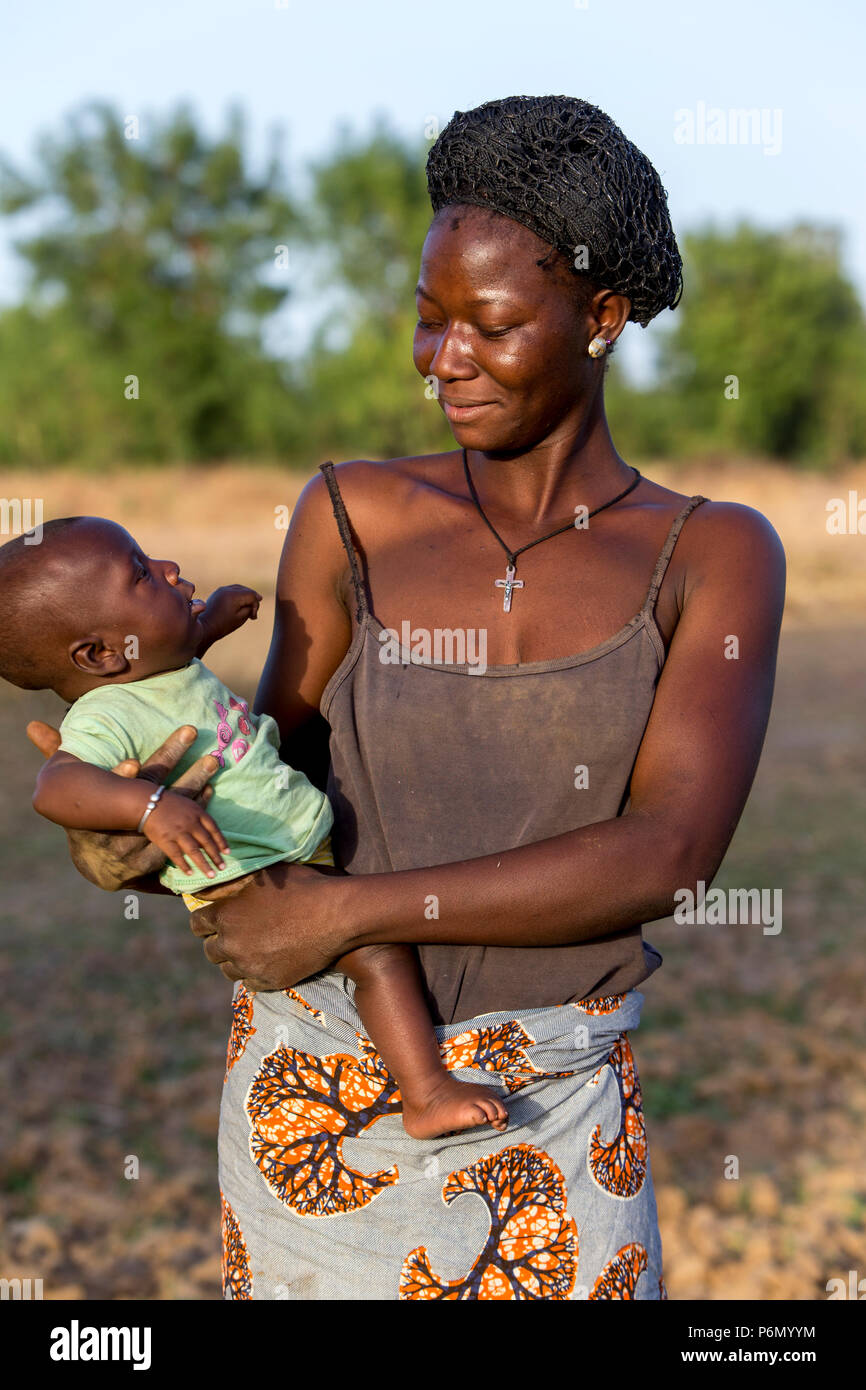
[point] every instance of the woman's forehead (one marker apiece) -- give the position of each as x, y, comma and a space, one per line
498, 256
486, 225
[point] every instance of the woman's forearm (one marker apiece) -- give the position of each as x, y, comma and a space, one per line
581, 885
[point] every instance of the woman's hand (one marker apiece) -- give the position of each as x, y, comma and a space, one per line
287, 923
119, 861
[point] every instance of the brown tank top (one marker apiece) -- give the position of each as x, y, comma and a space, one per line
437, 762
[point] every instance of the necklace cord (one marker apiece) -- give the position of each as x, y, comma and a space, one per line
569, 525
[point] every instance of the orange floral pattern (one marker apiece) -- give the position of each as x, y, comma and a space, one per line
299, 999
236, 1276
242, 1027
301, 1108
532, 1245
606, 1005
498, 1049
620, 1275
619, 1167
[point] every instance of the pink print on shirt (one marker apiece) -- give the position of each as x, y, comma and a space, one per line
225, 733
243, 720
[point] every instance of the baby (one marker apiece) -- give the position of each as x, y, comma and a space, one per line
85, 613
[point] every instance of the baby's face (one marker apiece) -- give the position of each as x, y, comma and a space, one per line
142, 607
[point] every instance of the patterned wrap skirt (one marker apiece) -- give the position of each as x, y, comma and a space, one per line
325, 1196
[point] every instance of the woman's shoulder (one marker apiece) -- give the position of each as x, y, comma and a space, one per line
714, 527
384, 475
370, 488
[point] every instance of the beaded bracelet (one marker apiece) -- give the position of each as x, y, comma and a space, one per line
154, 798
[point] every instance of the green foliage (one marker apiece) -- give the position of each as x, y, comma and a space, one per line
775, 311
152, 268
160, 264
369, 215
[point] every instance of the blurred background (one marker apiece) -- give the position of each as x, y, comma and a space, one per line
211, 218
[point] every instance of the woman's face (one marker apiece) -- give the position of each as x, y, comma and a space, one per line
500, 333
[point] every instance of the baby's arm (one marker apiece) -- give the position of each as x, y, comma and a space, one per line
226, 610
77, 795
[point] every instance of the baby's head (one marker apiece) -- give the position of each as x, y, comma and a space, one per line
84, 606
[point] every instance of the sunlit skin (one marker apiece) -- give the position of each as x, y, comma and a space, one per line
542, 448
523, 350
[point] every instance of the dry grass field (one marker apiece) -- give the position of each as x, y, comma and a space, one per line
751, 1047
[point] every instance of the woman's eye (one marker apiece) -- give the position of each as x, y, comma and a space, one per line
143, 573
485, 332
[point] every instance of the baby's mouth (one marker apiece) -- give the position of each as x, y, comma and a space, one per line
196, 606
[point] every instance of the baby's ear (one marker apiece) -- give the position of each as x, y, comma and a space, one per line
95, 658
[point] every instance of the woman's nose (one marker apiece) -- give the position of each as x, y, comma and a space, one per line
449, 360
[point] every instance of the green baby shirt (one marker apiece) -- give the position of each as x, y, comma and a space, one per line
266, 810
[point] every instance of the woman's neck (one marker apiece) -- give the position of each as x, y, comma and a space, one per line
576, 465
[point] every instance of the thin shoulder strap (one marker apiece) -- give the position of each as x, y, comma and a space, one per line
346, 537
668, 549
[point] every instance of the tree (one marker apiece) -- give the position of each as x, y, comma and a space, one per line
160, 267
152, 269
769, 349
369, 213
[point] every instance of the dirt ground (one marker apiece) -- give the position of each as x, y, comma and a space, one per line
750, 1053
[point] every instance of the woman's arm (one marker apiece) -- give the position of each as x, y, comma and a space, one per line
312, 630
693, 772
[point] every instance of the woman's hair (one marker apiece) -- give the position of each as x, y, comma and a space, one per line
564, 169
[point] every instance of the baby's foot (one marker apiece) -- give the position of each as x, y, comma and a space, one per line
448, 1106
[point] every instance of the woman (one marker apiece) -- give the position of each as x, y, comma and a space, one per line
516, 819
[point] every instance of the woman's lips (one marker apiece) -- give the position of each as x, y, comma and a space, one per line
459, 413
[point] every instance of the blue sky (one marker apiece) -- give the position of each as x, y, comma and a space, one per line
668, 72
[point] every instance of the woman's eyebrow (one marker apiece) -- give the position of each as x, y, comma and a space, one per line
475, 299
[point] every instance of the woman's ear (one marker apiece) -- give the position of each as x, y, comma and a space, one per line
93, 657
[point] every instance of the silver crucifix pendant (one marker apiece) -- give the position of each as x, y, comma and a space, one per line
508, 583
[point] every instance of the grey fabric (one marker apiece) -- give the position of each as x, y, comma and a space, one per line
325, 1196
436, 763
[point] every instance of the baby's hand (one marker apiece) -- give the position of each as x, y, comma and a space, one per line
226, 610
180, 827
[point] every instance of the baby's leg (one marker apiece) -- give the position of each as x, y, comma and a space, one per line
389, 996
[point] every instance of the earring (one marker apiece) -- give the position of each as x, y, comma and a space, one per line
598, 347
